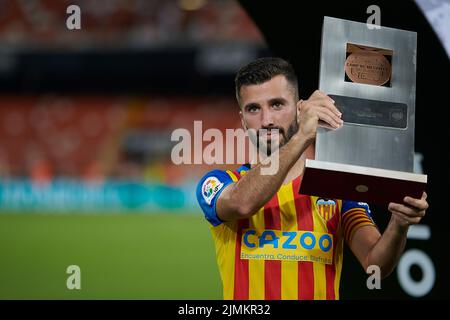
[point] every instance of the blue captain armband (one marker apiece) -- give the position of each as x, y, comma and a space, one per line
349, 205
208, 190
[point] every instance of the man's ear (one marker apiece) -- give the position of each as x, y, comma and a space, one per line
241, 115
299, 105
297, 110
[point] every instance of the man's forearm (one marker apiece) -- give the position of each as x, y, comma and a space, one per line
388, 249
255, 189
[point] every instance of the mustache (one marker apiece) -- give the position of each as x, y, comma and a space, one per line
280, 130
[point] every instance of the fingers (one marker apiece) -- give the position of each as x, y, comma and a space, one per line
411, 213
325, 103
326, 125
406, 219
324, 100
319, 94
420, 204
408, 211
323, 107
329, 117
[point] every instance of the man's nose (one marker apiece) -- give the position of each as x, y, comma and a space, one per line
267, 119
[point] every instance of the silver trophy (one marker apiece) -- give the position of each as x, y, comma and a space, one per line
371, 75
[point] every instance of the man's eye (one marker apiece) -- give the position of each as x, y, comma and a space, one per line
277, 105
252, 109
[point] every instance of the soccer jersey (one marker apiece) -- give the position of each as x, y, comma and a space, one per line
292, 248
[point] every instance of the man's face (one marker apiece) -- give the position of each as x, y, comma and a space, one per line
270, 105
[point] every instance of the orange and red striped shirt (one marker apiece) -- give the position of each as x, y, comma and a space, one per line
292, 248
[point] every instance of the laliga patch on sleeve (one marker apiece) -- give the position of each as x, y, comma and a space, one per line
211, 186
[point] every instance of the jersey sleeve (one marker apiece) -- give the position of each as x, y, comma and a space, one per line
354, 216
208, 190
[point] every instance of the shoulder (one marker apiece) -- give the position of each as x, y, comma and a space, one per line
214, 179
209, 189
212, 182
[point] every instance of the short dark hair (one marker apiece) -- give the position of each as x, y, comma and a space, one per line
264, 69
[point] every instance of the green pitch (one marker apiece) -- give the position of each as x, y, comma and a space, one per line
123, 256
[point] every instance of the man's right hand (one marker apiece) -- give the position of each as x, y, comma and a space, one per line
318, 110
245, 197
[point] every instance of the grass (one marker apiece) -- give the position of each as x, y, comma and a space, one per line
122, 256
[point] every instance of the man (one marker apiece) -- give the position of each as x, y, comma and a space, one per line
271, 242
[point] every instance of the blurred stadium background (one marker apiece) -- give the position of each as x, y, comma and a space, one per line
85, 124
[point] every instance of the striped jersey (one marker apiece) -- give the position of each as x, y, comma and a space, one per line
292, 248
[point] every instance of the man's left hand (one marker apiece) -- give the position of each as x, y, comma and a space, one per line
409, 213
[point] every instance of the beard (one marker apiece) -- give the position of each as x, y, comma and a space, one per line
267, 146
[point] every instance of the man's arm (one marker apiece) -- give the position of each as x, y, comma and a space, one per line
385, 250
245, 197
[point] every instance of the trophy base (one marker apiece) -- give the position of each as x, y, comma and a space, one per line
357, 183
